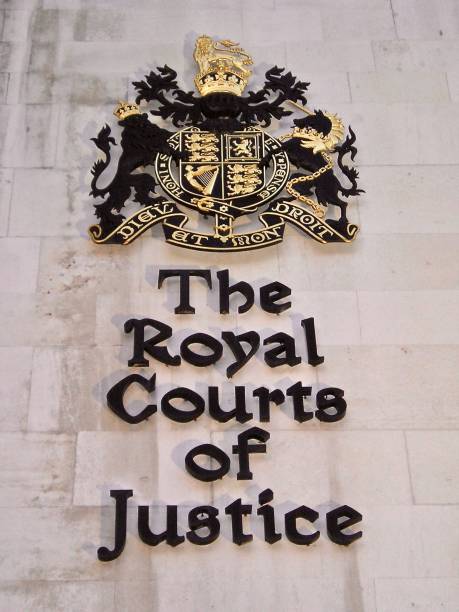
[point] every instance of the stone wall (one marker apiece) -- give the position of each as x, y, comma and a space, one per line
385, 309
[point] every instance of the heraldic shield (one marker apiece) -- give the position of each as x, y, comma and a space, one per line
222, 174
221, 163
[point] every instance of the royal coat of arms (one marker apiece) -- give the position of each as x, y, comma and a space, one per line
222, 163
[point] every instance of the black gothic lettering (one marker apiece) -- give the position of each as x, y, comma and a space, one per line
205, 517
197, 359
200, 518
184, 306
313, 358
291, 530
115, 398
235, 344
121, 497
284, 354
206, 474
297, 392
239, 411
182, 416
226, 290
267, 512
237, 510
265, 397
271, 293
243, 449
336, 401
335, 525
170, 535
141, 345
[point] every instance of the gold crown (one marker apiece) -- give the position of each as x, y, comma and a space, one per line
221, 66
126, 109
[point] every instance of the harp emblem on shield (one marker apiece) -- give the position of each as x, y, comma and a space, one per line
203, 178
